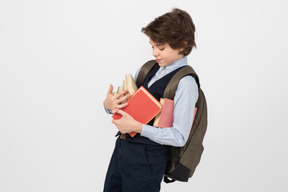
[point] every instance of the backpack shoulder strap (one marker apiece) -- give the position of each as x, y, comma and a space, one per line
173, 83
144, 71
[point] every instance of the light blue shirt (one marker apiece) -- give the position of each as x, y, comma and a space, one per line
185, 99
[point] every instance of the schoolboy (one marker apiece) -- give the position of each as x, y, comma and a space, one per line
138, 163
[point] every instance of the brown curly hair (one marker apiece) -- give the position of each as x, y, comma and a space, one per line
175, 28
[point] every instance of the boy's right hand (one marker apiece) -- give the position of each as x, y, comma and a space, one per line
113, 101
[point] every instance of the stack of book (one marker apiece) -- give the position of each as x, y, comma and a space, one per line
143, 107
129, 84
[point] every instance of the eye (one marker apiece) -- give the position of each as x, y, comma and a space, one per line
161, 49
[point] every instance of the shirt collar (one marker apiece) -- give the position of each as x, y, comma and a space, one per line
176, 64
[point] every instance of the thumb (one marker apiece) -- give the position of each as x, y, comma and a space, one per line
121, 112
115, 110
110, 89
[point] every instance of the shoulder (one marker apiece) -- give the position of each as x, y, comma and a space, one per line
147, 66
187, 89
188, 81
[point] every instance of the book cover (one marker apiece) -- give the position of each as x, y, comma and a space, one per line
124, 84
142, 106
120, 88
165, 117
130, 84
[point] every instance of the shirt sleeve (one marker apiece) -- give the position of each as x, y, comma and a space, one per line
185, 99
108, 111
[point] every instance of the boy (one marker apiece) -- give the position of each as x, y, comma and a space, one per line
138, 163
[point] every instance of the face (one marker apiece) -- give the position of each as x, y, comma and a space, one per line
164, 54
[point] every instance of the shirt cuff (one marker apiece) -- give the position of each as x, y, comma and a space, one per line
108, 111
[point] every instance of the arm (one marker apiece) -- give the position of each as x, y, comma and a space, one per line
184, 103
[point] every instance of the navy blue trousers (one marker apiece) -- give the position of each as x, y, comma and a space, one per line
136, 167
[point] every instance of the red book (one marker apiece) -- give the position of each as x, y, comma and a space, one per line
165, 117
142, 106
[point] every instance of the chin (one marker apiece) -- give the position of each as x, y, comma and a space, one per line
162, 65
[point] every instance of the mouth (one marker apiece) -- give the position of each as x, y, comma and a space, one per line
158, 60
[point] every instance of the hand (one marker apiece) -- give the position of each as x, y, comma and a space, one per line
114, 101
127, 123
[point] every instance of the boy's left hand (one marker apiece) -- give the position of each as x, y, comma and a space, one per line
127, 123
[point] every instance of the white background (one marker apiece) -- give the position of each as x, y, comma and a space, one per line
58, 57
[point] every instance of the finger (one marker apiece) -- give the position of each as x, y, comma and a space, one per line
117, 97
121, 112
110, 90
124, 98
122, 93
128, 96
122, 105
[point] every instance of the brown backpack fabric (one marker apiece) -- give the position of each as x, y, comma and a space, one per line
182, 161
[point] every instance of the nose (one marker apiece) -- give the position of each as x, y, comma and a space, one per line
155, 52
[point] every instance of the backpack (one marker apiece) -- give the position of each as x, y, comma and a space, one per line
182, 161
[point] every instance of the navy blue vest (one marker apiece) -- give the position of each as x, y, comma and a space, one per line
157, 90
